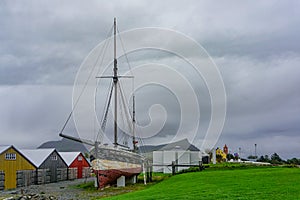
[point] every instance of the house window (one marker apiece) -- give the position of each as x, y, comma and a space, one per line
54, 157
10, 156
80, 158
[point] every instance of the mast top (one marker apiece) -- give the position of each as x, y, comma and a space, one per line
115, 70
115, 80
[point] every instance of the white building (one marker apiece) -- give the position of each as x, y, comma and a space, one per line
182, 153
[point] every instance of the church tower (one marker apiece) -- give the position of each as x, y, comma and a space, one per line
225, 149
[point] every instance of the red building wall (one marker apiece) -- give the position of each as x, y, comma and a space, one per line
79, 164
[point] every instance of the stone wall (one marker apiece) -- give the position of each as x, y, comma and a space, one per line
43, 176
26, 178
72, 173
2, 179
86, 172
62, 174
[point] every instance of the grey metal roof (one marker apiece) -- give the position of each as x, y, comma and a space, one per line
69, 157
179, 145
37, 156
4, 148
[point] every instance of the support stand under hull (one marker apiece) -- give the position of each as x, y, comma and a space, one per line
110, 176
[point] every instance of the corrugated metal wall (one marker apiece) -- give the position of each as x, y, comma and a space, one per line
179, 156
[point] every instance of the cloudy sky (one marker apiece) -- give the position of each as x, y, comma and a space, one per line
255, 46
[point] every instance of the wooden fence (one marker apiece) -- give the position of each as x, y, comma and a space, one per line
174, 166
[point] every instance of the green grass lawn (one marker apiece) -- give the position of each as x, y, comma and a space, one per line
249, 183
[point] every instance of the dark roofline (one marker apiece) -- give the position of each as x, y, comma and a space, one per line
13, 147
50, 155
151, 148
80, 154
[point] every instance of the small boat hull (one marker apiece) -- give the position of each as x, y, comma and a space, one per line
109, 164
110, 176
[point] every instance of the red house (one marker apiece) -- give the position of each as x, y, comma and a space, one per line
78, 165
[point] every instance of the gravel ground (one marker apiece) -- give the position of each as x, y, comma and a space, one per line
60, 191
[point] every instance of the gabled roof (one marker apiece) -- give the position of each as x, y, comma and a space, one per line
179, 145
69, 157
4, 148
37, 156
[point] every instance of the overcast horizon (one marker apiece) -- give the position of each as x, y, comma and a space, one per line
255, 46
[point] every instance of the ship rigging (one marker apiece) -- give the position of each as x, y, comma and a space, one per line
111, 162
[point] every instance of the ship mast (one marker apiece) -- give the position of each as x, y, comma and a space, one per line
115, 80
134, 142
115, 88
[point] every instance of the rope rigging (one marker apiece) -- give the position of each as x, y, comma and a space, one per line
104, 118
127, 114
126, 118
83, 89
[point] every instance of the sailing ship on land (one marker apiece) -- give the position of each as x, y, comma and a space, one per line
111, 162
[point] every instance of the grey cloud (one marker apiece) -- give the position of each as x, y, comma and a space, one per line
255, 45
32, 114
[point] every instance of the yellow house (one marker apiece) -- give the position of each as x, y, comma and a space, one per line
11, 161
221, 154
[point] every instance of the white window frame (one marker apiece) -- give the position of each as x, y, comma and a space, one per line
10, 156
54, 157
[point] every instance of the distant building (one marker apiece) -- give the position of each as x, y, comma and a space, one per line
225, 149
78, 165
221, 156
147, 150
12, 161
181, 152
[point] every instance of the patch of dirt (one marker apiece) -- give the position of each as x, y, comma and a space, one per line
64, 190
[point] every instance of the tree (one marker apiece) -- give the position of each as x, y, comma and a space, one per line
86, 155
264, 159
275, 159
230, 156
293, 161
236, 156
252, 157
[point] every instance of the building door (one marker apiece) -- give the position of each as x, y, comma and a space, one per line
53, 167
53, 177
79, 166
10, 175
79, 171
